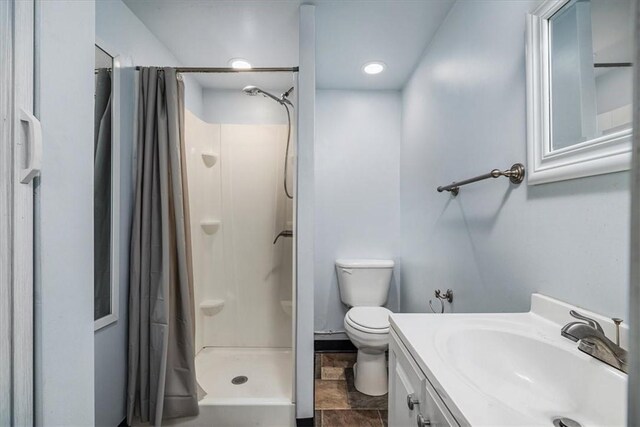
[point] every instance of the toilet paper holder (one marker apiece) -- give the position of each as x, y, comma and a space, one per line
442, 297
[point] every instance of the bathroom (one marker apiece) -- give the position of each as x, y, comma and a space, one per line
318, 265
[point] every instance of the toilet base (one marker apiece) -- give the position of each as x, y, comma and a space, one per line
370, 372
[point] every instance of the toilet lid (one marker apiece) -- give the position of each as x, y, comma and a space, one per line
369, 319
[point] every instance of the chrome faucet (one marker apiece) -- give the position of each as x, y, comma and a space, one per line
592, 340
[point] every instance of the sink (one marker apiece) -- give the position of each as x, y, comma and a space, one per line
515, 369
536, 377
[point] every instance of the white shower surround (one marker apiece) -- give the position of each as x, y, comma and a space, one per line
242, 281
237, 267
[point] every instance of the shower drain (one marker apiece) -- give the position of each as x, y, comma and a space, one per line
239, 380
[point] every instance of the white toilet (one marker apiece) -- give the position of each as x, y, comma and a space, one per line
364, 286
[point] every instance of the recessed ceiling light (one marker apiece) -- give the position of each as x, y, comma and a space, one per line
239, 63
375, 67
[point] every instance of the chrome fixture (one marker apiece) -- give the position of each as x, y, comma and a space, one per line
284, 101
617, 321
515, 175
442, 297
284, 233
565, 422
254, 90
421, 421
592, 340
412, 401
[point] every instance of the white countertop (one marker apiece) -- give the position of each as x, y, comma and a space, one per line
510, 385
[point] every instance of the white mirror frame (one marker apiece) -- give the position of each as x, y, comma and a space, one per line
606, 154
112, 317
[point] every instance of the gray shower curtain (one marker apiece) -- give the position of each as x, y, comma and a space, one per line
162, 382
102, 195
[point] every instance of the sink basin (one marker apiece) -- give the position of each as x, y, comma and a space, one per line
535, 377
515, 369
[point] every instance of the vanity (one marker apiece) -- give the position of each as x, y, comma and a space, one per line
502, 369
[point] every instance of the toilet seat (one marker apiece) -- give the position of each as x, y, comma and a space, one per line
372, 320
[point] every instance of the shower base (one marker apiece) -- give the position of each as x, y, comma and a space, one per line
265, 399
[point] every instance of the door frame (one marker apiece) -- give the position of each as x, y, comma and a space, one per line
20, 155
633, 416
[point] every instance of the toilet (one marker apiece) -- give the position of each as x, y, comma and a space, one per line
364, 286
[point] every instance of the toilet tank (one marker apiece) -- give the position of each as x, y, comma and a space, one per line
364, 282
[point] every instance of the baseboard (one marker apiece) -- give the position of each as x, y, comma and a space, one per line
334, 345
304, 422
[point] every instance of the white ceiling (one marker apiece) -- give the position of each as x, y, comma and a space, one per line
349, 33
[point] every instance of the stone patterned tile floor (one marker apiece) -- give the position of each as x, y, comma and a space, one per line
337, 402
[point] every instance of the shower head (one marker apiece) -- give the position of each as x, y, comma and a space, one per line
254, 90
251, 90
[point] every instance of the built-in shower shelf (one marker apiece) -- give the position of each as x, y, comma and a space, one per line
210, 226
287, 306
209, 159
211, 307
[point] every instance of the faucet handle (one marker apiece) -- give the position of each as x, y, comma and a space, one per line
617, 321
590, 321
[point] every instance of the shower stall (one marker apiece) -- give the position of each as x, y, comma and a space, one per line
241, 186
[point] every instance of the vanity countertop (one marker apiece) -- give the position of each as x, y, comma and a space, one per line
515, 368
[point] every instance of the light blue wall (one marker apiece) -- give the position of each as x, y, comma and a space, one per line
495, 244
357, 188
64, 365
235, 107
117, 26
120, 30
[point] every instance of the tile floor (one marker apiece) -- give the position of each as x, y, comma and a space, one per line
337, 402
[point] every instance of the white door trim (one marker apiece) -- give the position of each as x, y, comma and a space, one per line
633, 418
17, 154
6, 206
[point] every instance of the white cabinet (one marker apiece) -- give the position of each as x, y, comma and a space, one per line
412, 399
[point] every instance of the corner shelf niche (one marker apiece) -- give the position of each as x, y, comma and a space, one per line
210, 226
211, 307
209, 159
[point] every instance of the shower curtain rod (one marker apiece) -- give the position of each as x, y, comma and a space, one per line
232, 70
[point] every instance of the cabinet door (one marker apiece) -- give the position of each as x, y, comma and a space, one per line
412, 399
405, 383
433, 409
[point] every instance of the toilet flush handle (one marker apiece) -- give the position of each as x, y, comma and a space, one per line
347, 270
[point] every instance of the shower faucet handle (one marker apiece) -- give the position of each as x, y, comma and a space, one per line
283, 233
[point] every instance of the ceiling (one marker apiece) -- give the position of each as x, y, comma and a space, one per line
348, 34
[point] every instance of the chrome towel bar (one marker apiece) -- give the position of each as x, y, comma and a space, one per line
515, 175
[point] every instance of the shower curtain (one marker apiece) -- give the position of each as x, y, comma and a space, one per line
102, 195
162, 382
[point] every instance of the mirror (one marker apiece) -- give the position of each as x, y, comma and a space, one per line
104, 194
579, 73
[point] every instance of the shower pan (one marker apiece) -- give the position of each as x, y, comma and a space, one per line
240, 190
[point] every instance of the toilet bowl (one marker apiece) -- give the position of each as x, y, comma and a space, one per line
364, 286
368, 330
